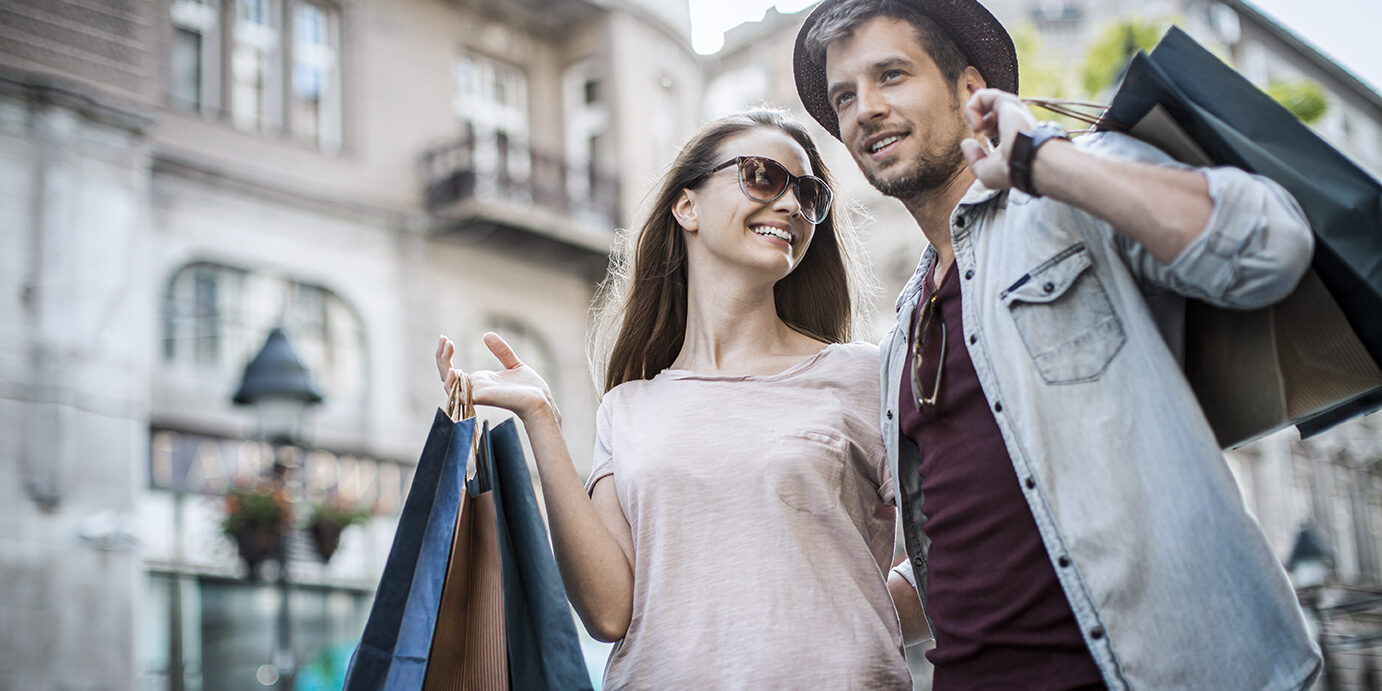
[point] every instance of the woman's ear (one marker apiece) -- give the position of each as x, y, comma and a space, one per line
684, 210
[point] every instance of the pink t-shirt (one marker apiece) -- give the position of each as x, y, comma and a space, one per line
762, 520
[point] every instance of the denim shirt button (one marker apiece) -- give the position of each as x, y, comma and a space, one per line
973, 339
919, 561
959, 221
1064, 561
997, 407
890, 414
1096, 633
1048, 286
969, 273
1031, 484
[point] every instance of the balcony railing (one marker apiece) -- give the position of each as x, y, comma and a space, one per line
495, 179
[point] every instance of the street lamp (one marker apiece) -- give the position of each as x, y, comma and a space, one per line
281, 390
1309, 567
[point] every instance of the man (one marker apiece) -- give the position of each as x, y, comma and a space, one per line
1068, 517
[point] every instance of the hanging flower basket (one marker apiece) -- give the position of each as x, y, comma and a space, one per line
328, 520
257, 519
258, 542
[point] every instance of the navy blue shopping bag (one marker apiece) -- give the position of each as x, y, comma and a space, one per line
394, 647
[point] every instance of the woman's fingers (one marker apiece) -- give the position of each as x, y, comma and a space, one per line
502, 351
445, 349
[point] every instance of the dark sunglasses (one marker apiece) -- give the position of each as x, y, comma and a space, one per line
929, 310
763, 180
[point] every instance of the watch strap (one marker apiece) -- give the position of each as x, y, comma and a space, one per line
1025, 145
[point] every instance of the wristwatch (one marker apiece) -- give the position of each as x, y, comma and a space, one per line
1025, 145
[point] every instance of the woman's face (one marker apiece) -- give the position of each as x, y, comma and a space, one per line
728, 227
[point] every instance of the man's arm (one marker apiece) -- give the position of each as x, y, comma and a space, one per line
1262, 245
909, 610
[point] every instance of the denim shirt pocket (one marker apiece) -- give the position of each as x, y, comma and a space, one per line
1065, 318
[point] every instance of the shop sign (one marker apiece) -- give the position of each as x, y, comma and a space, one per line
199, 464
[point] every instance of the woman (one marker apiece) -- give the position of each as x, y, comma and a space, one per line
737, 524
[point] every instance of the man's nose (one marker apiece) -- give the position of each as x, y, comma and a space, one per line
872, 104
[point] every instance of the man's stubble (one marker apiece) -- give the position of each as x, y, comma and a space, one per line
930, 170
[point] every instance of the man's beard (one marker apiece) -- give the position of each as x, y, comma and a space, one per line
927, 172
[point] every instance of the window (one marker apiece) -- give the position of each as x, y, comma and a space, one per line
195, 55
254, 65
280, 66
492, 102
196, 313
216, 318
315, 109
218, 634
491, 95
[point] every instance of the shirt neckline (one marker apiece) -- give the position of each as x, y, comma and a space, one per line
796, 368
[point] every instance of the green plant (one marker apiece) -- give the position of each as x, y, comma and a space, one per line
338, 513
261, 506
1303, 97
1111, 51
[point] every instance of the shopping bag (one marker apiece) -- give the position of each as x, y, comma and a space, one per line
469, 648
470, 597
395, 644
1312, 359
544, 652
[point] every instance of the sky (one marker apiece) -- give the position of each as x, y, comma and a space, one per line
1345, 30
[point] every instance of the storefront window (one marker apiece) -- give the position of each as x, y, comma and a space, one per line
205, 633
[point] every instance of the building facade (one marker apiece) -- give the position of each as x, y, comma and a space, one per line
187, 174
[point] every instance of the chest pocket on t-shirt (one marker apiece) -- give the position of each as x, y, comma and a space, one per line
807, 469
1065, 318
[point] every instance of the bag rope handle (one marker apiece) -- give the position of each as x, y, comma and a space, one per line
1089, 113
460, 398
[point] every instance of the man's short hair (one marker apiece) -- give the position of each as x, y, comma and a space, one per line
842, 20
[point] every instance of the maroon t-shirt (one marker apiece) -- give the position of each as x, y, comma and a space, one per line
1001, 619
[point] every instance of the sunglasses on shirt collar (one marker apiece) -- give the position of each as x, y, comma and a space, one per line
762, 179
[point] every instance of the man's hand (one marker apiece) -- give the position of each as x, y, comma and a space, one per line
994, 114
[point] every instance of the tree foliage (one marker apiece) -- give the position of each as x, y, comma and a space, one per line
1303, 97
1114, 47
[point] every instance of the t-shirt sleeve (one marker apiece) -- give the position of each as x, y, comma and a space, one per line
602, 461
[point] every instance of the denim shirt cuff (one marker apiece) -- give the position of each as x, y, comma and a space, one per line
904, 569
1254, 248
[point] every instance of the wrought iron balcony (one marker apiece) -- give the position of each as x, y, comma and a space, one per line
494, 184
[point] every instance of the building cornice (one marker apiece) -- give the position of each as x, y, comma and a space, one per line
48, 89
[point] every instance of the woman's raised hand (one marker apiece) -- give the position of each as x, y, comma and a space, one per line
517, 387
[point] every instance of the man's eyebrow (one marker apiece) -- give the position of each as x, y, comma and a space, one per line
879, 65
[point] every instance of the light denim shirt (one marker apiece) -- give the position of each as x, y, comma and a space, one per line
1068, 322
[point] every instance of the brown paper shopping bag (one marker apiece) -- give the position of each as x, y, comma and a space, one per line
469, 648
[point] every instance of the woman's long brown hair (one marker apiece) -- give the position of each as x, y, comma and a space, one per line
647, 302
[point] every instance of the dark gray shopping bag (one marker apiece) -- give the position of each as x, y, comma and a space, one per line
1311, 360
544, 653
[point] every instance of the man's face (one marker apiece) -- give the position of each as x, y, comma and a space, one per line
899, 117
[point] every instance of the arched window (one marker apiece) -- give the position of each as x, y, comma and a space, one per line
215, 317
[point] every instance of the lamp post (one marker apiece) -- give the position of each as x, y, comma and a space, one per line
1309, 567
281, 390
